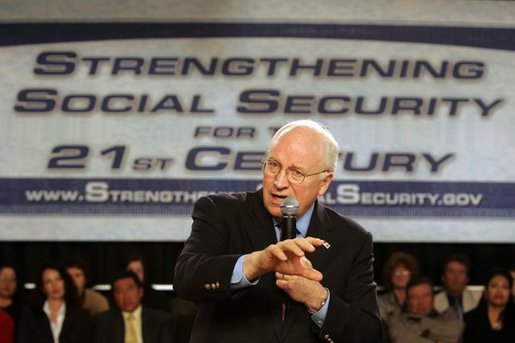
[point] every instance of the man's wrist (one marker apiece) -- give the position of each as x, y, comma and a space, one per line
250, 269
319, 302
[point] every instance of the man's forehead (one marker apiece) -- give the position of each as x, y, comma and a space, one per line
125, 282
455, 265
420, 288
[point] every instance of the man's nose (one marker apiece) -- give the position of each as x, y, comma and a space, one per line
281, 180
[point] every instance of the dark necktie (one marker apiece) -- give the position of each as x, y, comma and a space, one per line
456, 304
286, 233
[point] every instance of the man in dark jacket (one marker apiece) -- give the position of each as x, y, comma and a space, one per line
252, 286
129, 321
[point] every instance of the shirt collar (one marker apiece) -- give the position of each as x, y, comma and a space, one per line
303, 222
60, 313
136, 313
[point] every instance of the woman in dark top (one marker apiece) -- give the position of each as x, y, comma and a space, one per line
398, 270
55, 315
493, 320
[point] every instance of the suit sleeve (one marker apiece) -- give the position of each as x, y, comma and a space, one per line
204, 268
353, 316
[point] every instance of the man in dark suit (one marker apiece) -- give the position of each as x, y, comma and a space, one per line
252, 288
130, 321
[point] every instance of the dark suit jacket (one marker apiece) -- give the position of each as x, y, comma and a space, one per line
227, 226
110, 328
34, 326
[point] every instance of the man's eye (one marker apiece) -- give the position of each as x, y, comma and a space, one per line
297, 173
273, 164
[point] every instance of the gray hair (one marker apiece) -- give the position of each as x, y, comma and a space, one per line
331, 150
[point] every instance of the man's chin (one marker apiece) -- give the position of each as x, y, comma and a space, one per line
275, 211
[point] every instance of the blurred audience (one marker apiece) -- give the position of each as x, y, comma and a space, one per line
151, 298
55, 314
455, 278
90, 300
130, 321
493, 320
10, 298
397, 272
6, 328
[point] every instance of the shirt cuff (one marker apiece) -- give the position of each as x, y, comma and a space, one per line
238, 279
319, 317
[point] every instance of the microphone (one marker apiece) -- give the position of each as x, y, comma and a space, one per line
289, 207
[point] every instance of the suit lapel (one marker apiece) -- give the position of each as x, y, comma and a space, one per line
146, 326
260, 226
118, 327
261, 233
319, 227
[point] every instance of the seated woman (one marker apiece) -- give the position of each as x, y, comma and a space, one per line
10, 299
397, 272
493, 320
55, 314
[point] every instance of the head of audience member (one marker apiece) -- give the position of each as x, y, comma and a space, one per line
136, 264
8, 285
420, 295
455, 274
399, 269
127, 290
498, 289
54, 284
300, 162
512, 273
76, 268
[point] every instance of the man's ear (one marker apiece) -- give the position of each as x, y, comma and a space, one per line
325, 182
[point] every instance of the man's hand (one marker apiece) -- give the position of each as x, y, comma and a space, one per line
308, 292
285, 257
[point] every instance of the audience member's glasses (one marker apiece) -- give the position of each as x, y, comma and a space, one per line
293, 175
402, 273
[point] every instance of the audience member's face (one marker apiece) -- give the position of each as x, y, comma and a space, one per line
78, 277
455, 277
498, 291
8, 282
420, 299
303, 150
127, 295
400, 276
53, 284
138, 269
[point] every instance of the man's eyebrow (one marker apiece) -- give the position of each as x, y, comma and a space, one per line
302, 169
